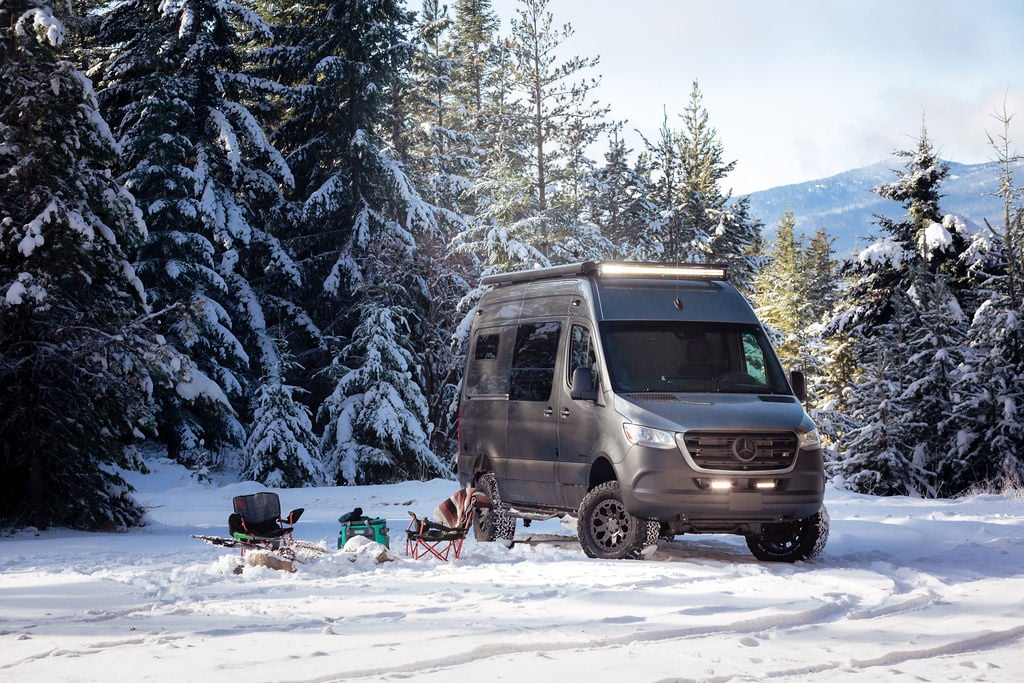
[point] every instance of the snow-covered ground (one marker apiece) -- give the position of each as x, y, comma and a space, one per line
906, 590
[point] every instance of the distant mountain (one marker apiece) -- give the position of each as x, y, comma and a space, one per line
846, 207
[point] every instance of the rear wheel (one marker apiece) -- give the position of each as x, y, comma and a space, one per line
607, 531
494, 523
802, 540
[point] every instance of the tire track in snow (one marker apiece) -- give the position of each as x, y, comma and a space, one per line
824, 613
96, 648
912, 603
956, 647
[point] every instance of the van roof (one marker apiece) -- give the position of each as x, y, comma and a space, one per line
634, 270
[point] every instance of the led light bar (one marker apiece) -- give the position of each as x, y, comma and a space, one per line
613, 269
683, 271
720, 485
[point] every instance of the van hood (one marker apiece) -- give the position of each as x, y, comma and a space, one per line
713, 411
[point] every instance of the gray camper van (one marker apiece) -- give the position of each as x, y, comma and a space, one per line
646, 401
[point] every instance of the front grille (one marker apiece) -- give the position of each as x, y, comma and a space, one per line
741, 451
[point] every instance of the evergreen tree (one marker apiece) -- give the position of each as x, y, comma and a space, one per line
828, 362
717, 230
347, 72
697, 219
620, 204
987, 452
782, 289
75, 355
820, 270
877, 456
990, 440
209, 184
902, 307
474, 56
559, 121
282, 450
794, 295
442, 160
377, 415
664, 172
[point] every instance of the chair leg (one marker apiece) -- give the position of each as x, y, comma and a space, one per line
421, 548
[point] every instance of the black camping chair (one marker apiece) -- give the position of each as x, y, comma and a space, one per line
257, 520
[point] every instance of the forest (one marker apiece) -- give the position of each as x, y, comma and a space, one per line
249, 234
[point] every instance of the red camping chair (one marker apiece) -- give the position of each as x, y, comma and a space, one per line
454, 519
257, 520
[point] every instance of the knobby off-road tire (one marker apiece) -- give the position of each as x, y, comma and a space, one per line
607, 531
493, 524
802, 540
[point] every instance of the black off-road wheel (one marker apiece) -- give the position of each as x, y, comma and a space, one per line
607, 531
802, 540
494, 523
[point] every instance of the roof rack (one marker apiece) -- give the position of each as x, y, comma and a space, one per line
614, 269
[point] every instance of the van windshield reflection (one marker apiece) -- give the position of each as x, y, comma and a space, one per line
668, 356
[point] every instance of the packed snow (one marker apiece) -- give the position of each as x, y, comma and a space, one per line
907, 589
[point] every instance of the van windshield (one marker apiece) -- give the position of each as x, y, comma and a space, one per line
671, 356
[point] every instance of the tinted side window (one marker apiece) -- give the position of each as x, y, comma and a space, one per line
486, 347
533, 361
487, 372
581, 352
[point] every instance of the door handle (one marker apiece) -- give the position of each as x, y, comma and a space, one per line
549, 411
564, 412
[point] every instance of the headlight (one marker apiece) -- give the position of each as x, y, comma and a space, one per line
649, 437
809, 440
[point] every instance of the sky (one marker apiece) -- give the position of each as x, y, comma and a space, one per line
804, 89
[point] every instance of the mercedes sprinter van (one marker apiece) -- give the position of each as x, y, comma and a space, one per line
644, 400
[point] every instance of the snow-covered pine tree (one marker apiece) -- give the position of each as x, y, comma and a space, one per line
282, 450
441, 156
793, 294
74, 351
503, 235
781, 292
716, 228
474, 57
357, 233
620, 204
989, 450
820, 269
906, 284
376, 419
558, 123
827, 362
538, 115
697, 219
662, 165
210, 186
988, 453
876, 455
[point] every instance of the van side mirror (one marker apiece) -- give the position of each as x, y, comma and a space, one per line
798, 381
583, 385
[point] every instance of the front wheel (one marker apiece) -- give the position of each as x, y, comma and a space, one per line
607, 531
802, 540
494, 523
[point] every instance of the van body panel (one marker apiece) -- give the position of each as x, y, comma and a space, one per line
740, 427
645, 300
684, 412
